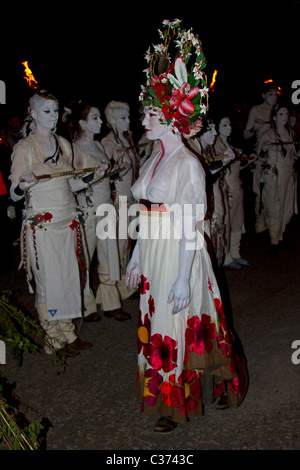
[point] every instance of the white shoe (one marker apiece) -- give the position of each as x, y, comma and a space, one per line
241, 261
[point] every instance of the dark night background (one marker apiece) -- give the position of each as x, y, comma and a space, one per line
96, 50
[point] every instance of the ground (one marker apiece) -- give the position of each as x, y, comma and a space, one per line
93, 406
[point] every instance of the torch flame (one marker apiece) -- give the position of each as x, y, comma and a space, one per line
211, 86
32, 83
271, 81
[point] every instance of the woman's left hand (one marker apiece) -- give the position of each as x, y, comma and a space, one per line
101, 169
180, 294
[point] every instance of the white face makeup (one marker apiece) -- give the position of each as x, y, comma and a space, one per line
270, 97
46, 113
225, 127
153, 125
93, 122
208, 137
121, 120
282, 117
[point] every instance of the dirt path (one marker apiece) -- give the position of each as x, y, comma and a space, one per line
93, 405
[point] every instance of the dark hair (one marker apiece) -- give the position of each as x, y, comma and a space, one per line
269, 86
206, 122
79, 112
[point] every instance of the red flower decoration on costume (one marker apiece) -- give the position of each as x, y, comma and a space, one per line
191, 381
182, 125
162, 353
47, 216
38, 218
151, 305
74, 224
152, 382
144, 285
182, 100
172, 395
234, 385
222, 319
200, 333
162, 93
222, 345
144, 333
167, 111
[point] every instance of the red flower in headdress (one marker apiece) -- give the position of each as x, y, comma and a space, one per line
182, 100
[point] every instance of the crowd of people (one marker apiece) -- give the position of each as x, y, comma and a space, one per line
186, 352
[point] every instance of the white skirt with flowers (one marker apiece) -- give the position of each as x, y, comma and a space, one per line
184, 359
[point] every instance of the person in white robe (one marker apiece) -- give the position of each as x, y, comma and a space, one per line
53, 250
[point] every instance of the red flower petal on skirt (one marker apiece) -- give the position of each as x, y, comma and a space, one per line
144, 286
172, 395
152, 382
151, 305
162, 353
199, 334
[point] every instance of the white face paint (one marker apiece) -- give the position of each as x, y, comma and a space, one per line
282, 117
121, 120
270, 97
153, 125
225, 127
208, 137
93, 122
46, 113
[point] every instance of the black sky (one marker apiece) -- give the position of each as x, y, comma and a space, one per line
97, 51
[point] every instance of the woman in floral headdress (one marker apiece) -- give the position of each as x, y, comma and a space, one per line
185, 356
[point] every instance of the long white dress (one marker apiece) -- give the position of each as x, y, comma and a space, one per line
122, 198
107, 248
184, 359
279, 190
53, 248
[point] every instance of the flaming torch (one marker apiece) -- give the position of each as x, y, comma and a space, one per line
32, 83
213, 81
271, 81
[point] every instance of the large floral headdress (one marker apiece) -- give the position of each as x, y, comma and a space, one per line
178, 88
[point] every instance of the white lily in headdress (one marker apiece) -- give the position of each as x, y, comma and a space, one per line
180, 72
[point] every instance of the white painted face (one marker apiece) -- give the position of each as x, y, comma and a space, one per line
282, 117
270, 97
209, 136
153, 125
46, 113
93, 122
121, 120
225, 127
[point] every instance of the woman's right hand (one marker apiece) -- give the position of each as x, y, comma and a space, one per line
133, 271
133, 274
27, 180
